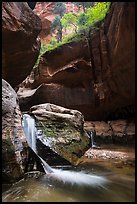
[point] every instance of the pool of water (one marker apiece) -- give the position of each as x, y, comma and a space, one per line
92, 181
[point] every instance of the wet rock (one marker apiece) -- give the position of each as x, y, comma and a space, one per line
62, 130
14, 144
33, 174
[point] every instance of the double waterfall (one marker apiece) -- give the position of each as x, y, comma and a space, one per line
66, 176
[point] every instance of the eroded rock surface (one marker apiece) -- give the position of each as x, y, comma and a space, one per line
116, 131
67, 70
14, 144
20, 46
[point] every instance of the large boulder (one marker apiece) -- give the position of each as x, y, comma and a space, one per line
68, 71
62, 130
14, 144
20, 46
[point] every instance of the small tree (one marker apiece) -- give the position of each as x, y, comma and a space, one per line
56, 27
68, 20
59, 8
84, 5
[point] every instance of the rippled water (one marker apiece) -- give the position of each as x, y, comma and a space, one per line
102, 181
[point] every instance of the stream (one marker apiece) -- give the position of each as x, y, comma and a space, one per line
119, 185
93, 180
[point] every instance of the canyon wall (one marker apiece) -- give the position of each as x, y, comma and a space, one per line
65, 75
20, 45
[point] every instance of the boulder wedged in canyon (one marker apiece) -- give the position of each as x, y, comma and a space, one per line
20, 45
68, 71
14, 144
62, 130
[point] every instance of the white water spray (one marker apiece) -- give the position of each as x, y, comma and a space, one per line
78, 178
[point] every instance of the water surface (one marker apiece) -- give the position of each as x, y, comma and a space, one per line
92, 181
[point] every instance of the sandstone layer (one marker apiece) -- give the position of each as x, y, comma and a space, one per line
65, 75
14, 144
20, 45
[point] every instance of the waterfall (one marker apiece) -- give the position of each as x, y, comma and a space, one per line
91, 135
29, 128
92, 139
28, 124
46, 167
79, 178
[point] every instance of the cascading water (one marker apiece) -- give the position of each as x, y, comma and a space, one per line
65, 176
29, 128
92, 142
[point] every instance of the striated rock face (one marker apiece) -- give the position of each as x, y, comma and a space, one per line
62, 130
116, 131
20, 46
14, 144
65, 75
68, 86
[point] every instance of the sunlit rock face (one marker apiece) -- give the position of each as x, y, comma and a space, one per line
20, 46
62, 130
64, 75
45, 11
14, 144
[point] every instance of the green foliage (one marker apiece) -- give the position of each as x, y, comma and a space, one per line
53, 41
59, 8
71, 37
84, 5
87, 21
69, 19
42, 51
67, 39
52, 46
56, 26
97, 13
84, 22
